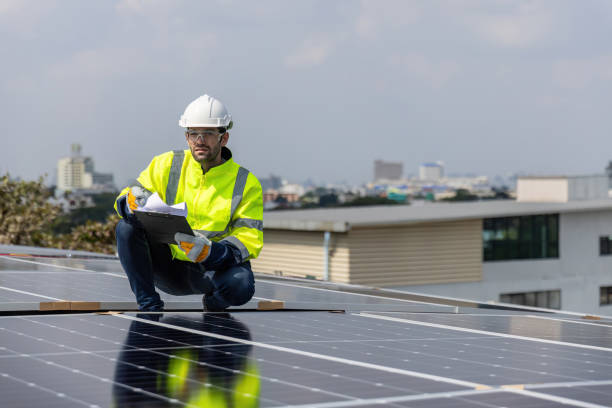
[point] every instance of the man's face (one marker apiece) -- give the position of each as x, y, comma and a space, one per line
206, 143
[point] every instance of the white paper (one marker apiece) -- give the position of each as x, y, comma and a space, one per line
156, 204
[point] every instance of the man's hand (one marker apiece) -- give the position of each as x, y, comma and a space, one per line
196, 248
137, 197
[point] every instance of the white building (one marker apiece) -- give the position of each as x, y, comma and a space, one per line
295, 189
77, 173
431, 171
555, 255
561, 188
72, 171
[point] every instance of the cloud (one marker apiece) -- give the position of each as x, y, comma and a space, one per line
143, 6
510, 24
10, 6
21, 17
370, 21
435, 73
101, 63
580, 73
392, 13
314, 51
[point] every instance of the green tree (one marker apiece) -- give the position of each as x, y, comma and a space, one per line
328, 200
25, 214
92, 236
462, 195
27, 218
369, 200
103, 207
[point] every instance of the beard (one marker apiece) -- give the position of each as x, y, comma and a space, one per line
210, 153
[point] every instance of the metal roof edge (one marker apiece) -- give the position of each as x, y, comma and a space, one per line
301, 225
518, 209
514, 213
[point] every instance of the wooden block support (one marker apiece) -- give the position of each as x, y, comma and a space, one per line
94, 306
57, 305
590, 317
69, 305
514, 386
270, 305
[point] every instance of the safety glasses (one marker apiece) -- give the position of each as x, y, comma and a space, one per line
195, 135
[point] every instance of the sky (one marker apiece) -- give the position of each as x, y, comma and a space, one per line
318, 89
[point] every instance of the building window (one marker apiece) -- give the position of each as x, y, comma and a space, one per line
527, 237
605, 295
605, 245
550, 299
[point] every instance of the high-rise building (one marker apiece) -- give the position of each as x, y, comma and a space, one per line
388, 170
77, 173
71, 172
431, 171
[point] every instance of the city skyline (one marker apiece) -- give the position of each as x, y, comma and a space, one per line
318, 90
50, 177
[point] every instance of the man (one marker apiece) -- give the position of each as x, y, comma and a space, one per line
225, 211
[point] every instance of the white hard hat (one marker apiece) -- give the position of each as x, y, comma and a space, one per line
206, 111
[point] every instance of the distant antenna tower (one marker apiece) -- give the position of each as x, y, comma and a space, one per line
75, 149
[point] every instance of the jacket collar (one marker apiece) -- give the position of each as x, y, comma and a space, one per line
226, 154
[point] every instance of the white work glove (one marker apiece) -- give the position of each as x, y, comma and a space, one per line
196, 248
137, 197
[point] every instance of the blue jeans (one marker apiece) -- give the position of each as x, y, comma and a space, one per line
149, 265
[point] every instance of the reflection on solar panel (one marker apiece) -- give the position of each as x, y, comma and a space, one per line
328, 346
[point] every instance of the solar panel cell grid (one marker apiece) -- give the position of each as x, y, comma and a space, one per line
542, 327
595, 394
383, 351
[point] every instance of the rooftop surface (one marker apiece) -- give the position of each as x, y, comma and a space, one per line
330, 345
342, 219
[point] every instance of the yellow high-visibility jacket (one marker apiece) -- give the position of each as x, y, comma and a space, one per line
224, 204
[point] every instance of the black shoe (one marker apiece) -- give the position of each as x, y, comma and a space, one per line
207, 307
150, 316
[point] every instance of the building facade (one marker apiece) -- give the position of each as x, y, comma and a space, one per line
76, 173
71, 174
431, 171
384, 170
552, 255
569, 266
561, 188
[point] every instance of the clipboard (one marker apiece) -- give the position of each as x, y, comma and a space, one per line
161, 227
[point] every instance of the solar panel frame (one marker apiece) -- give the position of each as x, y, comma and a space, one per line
386, 348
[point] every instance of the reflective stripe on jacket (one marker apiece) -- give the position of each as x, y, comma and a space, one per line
224, 204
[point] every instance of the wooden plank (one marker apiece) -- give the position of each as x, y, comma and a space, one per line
270, 305
85, 306
68, 305
56, 305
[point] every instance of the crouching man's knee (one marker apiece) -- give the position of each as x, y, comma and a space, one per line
131, 241
124, 231
241, 286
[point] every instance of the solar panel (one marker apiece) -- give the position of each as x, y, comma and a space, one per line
101, 280
330, 346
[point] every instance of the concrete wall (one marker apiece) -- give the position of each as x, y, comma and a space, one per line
542, 189
578, 273
561, 189
588, 187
